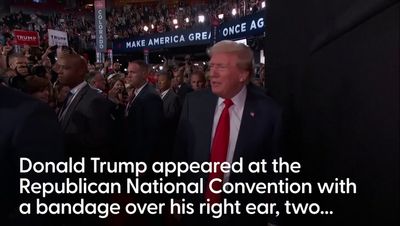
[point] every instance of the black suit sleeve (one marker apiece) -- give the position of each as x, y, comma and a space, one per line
154, 119
173, 108
38, 137
97, 126
100, 122
181, 141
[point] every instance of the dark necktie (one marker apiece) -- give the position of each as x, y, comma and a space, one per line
64, 106
219, 150
129, 105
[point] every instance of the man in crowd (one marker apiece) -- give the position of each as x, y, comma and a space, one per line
28, 129
181, 88
144, 115
18, 63
97, 80
172, 108
86, 116
232, 120
198, 80
116, 67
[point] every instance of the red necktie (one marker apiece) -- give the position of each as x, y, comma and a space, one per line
219, 149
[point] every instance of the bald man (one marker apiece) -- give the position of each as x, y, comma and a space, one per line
86, 116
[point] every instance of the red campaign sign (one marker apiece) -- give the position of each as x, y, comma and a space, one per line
30, 38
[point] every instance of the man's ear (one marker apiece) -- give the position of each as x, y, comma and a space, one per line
244, 76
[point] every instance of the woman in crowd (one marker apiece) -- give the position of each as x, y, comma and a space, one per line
38, 87
117, 92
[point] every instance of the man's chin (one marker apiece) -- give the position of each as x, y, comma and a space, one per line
215, 91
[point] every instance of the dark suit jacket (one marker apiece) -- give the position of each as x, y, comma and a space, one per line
172, 109
182, 91
143, 125
257, 139
89, 124
28, 128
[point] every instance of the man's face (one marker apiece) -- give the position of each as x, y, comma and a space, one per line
163, 83
226, 78
69, 72
116, 66
99, 82
178, 76
135, 77
20, 64
98, 66
63, 93
197, 82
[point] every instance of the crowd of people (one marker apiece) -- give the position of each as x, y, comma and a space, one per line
106, 113
41, 69
131, 20
73, 108
124, 22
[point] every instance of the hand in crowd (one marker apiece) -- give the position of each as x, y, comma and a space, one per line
116, 94
6, 49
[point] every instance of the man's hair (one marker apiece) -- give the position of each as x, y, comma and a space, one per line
243, 52
201, 74
143, 66
14, 56
91, 76
167, 74
81, 61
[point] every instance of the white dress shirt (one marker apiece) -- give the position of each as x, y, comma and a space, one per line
235, 117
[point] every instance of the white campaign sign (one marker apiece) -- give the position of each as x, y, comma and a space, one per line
59, 38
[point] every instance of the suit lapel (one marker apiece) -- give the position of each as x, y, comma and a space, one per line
73, 106
247, 123
140, 95
167, 96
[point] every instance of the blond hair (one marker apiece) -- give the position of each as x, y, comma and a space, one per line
243, 52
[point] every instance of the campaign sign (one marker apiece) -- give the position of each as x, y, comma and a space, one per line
30, 38
251, 25
59, 38
197, 36
101, 25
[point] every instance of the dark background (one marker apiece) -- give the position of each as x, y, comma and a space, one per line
334, 67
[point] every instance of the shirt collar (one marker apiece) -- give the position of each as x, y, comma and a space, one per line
238, 99
78, 87
164, 93
137, 91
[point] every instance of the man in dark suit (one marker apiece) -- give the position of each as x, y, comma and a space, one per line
234, 119
181, 88
87, 116
89, 126
172, 108
29, 129
144, 115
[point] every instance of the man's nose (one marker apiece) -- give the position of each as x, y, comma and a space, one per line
213, 73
